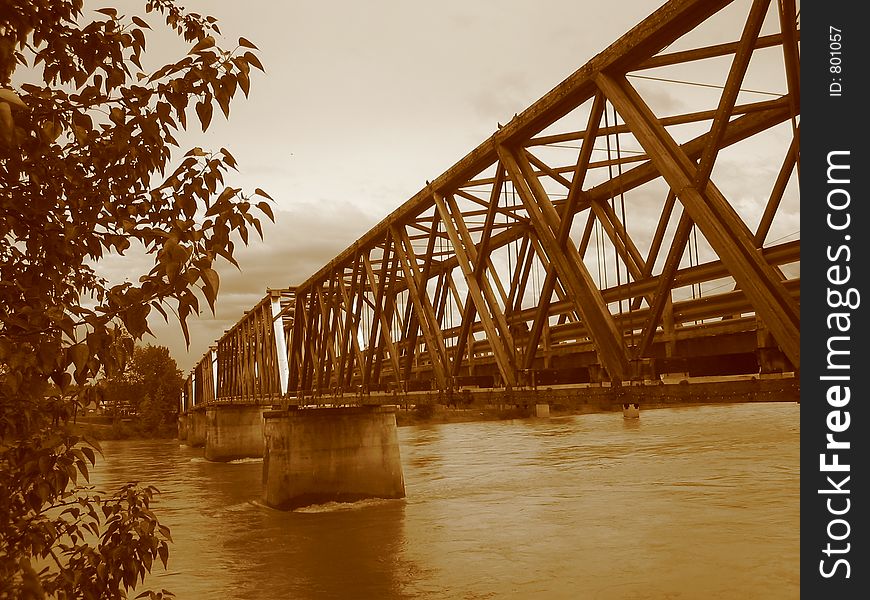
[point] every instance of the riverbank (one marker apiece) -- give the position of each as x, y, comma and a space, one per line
105, 428
498, 405
494, 405
435, 414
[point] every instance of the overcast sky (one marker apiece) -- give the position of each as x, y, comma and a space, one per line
361, 103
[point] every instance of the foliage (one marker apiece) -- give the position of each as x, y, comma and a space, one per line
89, 167
424, 411
148, 388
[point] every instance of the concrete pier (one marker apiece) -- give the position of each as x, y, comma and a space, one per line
196, 428
317, 455
542, 410
233, 432
182, 427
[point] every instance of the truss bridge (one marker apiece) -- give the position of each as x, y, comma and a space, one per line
638, 224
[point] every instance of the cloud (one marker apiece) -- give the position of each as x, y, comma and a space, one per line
303, 239
509, 95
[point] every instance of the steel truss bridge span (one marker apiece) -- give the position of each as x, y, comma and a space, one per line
640, 220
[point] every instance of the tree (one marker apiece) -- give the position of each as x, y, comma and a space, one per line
89, 166
150, 386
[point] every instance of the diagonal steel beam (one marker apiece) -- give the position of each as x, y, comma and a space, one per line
470, 310
625, 102
567, 217
706, 206
494, 332
422, 307
569, 266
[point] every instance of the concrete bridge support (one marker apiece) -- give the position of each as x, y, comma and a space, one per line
317, 455
233, 432
196, 428
183, 425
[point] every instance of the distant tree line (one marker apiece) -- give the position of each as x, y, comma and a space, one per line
146, 392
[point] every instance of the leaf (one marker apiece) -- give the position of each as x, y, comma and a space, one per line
183, 311
253, 60
246, 43
260, 192
51, 131
136, 319
140, 40
12, 98
110, 12
116, 115
83, 120
204, 109
228, 193
7, 124
161, 310
141, 23
223, 99
212, 283
203, 44
163, 552
89, 454
83, 467
244, 82
211, 279
228, 158
164, 531
95, 444
79, 354
267, 210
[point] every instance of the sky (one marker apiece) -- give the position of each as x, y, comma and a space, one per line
360, 104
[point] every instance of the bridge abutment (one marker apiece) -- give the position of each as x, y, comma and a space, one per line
233, 432
317, 455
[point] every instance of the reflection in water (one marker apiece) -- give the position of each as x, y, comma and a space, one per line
424, 443
698, 502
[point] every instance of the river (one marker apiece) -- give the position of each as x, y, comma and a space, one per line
692, 502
